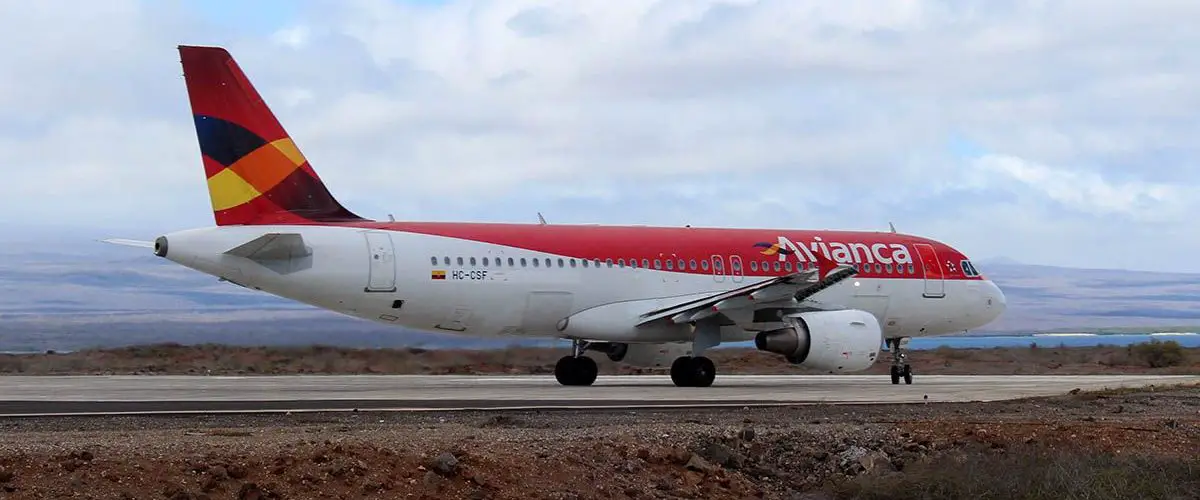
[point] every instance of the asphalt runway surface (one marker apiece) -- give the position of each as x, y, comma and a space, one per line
75, 395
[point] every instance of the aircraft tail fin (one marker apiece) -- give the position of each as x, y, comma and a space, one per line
256, 174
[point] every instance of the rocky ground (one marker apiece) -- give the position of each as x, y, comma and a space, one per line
1163, 358
1115, 444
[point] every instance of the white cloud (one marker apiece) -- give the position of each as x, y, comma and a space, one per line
1091, 193
784, 113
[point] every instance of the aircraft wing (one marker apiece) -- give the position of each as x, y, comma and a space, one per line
796, 287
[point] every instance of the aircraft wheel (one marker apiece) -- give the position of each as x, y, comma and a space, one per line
908, 375
693, 372
895, 375
573, 371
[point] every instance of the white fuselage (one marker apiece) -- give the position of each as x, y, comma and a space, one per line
391, 277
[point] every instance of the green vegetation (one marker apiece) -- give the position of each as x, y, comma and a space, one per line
1158, 354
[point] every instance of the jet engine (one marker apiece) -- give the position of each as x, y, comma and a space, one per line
833, 341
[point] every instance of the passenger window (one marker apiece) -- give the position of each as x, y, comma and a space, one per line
485, 262
777, 265
472, 261
911, 269
646, 263
596, 262
523, 263
433, 260
573, 262
621, 263
680, 264
692, 264
888, 268
560, 262
787, 266
608, 262
754, 265
657, 264
704, 264
670, 265
536, 262
878, 267
446, 260
547, 262
460, 261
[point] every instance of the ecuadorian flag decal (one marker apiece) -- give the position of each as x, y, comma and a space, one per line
439, 275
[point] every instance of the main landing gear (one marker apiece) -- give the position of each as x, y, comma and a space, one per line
900, 367
688, 371
576, 369
579, 370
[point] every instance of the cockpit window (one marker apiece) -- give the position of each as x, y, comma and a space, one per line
969, 268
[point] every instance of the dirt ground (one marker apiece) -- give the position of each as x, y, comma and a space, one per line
227, 360
1114, 444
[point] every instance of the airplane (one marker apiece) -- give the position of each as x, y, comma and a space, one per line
645, 296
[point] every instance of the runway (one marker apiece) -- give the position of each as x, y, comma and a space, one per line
77, 395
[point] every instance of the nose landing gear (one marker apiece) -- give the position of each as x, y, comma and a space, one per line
900, 367
576, 369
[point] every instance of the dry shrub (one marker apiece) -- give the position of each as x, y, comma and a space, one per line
1158, 354
1030, 473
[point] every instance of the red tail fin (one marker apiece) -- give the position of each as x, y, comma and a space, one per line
256, 174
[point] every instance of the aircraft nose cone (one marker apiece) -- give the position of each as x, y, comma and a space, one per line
996, 301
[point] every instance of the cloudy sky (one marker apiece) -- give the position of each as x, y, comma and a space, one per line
1058, 132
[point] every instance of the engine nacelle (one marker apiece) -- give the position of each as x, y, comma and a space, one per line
659, 355
833, 341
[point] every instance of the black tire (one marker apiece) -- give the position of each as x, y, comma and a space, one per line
679, 371
586, 370
703, 372
565, 371
908, 375
895, 375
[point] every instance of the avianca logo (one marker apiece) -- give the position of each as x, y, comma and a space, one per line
842, 253
772, 248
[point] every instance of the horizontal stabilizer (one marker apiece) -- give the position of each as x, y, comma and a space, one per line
272, 246
129, 243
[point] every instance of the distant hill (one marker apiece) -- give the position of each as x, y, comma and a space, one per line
1047, 298
108, 296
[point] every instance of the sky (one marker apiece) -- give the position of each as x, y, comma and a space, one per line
1051, 132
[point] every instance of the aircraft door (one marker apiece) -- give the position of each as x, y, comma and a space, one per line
935, 283
718, 268
735, 268
381, 274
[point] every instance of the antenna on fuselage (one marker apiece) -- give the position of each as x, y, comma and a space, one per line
391, 219
541, 220
893, 226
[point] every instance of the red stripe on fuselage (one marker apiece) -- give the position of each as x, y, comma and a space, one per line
682, 243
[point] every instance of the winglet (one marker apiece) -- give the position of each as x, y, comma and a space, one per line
824, 265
